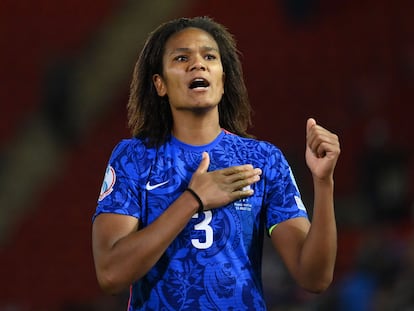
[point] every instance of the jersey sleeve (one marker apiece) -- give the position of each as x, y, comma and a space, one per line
119, 192
283, 200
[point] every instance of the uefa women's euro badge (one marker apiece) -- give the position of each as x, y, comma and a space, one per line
108, 183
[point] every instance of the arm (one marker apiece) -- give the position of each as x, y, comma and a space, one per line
123, 254
309, 250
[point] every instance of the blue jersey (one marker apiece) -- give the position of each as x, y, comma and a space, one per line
215, 262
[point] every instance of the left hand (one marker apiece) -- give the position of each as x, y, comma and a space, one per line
322, 150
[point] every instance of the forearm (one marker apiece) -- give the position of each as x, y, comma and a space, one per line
318, 255
132, 256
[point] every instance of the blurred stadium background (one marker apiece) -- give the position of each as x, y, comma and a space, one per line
64, 79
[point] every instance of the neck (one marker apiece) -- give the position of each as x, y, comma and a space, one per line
196, 129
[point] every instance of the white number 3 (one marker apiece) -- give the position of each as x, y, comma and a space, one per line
208, 230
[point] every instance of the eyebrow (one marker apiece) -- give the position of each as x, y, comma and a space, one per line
186, 50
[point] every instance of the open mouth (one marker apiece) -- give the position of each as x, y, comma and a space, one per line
199, 83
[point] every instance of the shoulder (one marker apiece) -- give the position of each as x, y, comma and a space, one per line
253, 144
129, 144
131, 155
130, 147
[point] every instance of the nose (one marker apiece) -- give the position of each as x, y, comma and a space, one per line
198, 64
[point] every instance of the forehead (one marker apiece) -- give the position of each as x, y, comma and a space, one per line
190, 38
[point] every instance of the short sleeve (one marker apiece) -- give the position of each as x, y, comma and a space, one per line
282, 199
119, 192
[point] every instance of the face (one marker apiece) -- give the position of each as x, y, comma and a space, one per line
192, 75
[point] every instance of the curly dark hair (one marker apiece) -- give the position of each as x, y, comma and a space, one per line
150, 117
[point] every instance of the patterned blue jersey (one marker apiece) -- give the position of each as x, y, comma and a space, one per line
215, 262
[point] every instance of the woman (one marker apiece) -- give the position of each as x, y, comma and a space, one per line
185, 202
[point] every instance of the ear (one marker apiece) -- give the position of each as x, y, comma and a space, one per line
224, 80
159, 85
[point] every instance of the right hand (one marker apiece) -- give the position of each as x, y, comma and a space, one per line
219, 188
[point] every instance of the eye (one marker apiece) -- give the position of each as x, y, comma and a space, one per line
210, 57
181, 58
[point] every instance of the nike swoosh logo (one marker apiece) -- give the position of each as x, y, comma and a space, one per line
150, 187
